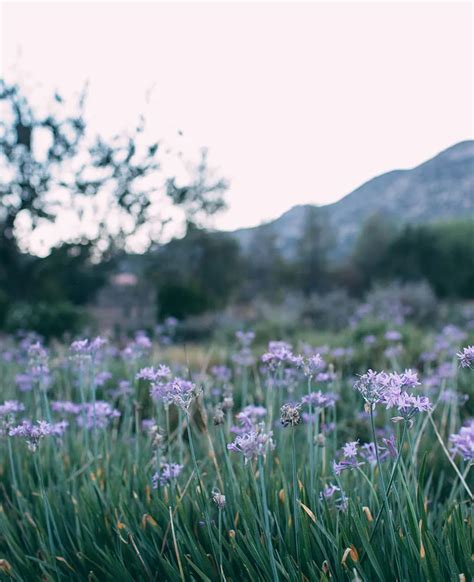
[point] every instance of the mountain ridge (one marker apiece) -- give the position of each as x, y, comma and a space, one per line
439, 188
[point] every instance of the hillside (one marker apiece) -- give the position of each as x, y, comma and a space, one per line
438, 189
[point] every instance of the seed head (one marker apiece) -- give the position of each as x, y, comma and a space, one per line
290, 414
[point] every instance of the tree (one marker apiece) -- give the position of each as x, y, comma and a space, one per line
441, 254
311, 262
196, 273
267, 272
115, 188
370, 251
115, 191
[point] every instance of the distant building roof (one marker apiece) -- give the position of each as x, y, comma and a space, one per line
124, 279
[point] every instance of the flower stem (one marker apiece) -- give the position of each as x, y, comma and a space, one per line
295, 497
201, 486
267, 521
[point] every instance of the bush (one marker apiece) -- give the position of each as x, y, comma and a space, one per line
48, 319
181, 301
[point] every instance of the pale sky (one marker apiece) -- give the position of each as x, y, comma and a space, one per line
297, 103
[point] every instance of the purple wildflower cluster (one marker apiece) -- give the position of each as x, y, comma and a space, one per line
139, 347
8, 410
168, 473
445, 345
330, 492
243, 357
349, 458
170, 390
279, 353
37, 373
392, 390
466, 357
313, 365
354, 455
160, 374
165, 332
253, 444
87, 347
96, 415
248, 419
11, 407
320, 400
101, 378
221, 374
34, 433
462, 443
88, 415
123, 389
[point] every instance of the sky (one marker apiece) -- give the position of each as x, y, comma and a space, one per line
297, 103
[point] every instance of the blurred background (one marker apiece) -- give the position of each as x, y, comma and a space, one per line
210, 166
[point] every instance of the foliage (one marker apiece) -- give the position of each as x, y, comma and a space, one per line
81, 504
311, 261
49, 163
196, 273
50, 320
442, 254
110, 192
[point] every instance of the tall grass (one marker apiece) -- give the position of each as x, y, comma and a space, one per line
72, 511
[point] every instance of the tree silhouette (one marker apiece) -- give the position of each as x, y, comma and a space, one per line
115, 187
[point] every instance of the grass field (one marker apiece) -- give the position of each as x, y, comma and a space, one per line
236, 461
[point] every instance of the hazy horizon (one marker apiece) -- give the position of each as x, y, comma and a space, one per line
336, 95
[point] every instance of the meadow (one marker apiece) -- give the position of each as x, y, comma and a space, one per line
240, 460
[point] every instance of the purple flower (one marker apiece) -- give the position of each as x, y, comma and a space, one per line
102, 378
32, 433
57, 429
124, 389
177, 391
24, 382
393, 336
312, 365
243, 358
325, 376
154, 374
168, 473
278, 353
390, 389
8, 411
349, 450
393, 352
148, 424
340, 353
466, 357
391, 446
248, 418
345, 464
96, 415
329, 491
11, 407
349, 460
245, 338
342, 504
86, 347
463, 441
252, 444
320, 400
221, 373
137, 348
453, 396
65, 406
